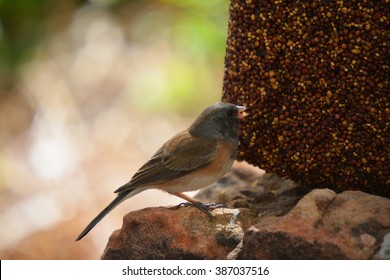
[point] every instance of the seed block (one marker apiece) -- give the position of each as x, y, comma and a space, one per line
315, 75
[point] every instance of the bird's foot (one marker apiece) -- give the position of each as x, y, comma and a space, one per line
204, 207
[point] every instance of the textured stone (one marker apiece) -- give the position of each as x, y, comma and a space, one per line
184, 233
252, 190
277, 219
323, 225
384, 251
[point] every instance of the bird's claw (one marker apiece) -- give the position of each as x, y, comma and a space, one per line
204, 207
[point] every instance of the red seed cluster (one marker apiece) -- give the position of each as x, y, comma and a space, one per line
315, 75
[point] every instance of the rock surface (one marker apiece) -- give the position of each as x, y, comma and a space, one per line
323, 225
267, 218
169, 233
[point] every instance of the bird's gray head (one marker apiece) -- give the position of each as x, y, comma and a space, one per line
219, 121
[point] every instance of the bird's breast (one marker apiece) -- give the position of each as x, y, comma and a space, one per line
205, 176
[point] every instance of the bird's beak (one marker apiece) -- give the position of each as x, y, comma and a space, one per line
241, 112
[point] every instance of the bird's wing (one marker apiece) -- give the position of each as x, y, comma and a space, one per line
180, 155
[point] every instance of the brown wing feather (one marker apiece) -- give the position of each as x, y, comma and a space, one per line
177, 157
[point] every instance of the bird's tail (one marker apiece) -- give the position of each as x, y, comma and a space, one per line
121, 197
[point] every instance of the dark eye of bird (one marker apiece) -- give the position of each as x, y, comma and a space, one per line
230, 113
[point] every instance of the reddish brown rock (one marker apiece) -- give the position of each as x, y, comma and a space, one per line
323, 225
184, 233
277, 220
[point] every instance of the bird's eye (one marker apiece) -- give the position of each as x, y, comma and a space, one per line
230, 113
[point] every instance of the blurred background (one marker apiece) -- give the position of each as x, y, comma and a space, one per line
89, 90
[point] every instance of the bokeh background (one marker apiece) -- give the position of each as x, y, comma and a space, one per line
89, 90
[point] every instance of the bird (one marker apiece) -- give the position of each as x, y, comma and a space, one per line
192, 159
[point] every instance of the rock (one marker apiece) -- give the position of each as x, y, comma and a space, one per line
263, 194
384, 251
267, 218
169, 233
323, 225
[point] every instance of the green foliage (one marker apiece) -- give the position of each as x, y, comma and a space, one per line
23, 24
195, 31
